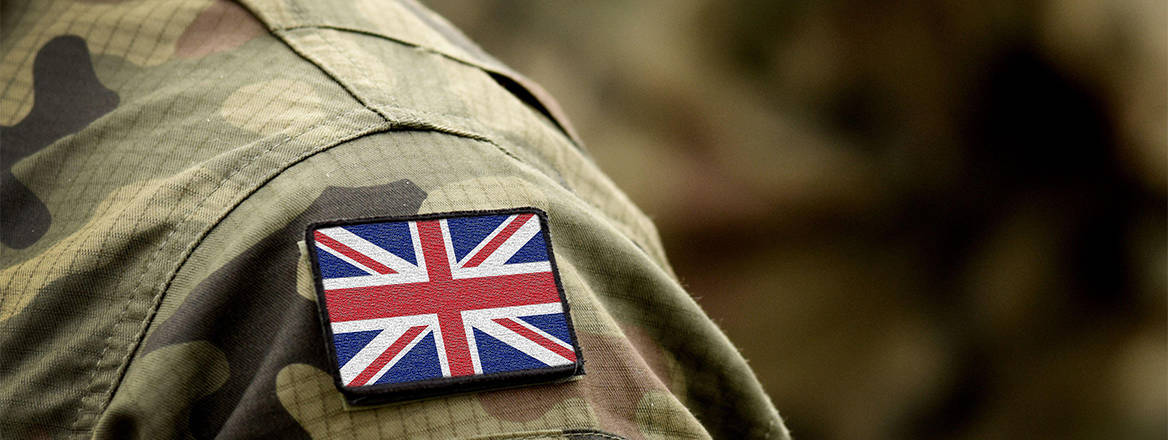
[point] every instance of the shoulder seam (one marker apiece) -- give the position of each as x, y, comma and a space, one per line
397, 117
495, 69
422, 48
402, 118
407, 119
169, 275
155, 300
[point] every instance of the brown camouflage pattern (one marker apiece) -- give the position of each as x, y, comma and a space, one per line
161, 160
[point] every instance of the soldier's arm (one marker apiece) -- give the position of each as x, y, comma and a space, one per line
237, 347
163, 163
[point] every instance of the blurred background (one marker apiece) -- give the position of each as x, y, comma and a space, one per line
940, 219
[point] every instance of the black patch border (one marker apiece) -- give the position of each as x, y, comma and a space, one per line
401, 392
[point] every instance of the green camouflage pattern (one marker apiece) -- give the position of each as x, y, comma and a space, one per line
161, 160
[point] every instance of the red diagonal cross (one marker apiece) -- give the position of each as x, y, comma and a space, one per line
442, 295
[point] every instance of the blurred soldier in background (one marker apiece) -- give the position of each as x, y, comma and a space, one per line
946, 217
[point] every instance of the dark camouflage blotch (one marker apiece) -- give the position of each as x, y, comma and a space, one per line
68, 97
250, 310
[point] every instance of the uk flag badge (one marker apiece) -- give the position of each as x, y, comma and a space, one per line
421, 306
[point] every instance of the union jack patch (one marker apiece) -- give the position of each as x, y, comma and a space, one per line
420, 306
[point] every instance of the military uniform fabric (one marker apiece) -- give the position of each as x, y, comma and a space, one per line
162, 160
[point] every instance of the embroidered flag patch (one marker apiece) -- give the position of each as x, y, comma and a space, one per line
420, 306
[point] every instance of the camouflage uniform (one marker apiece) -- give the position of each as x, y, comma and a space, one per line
161, 160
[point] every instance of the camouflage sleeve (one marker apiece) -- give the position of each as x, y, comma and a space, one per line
236, 348
162, 160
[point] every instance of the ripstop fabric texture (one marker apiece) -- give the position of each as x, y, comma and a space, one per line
162, 160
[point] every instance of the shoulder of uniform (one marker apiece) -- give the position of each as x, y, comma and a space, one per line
365, 44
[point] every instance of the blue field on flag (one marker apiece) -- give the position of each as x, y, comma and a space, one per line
417, 300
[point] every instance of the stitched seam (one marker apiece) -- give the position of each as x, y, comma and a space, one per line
359, 66
169, 236
485, 67
337, 80
324, 36
417, 118
421, 124
419, 47
281, 32
567, 435
103, 403
165, 286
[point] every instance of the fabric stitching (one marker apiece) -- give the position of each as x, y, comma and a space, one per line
410, 44
485, 67
160, 295
567, 435
358, 133
412, 120
146, 271
146, 266
280, 32
352, 64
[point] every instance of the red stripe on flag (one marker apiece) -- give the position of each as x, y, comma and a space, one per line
457, 348
349, 252
537, 338
391, 300
387, 356
434, 250
498, 240
442, 292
